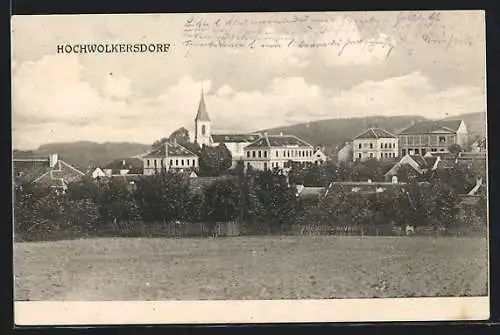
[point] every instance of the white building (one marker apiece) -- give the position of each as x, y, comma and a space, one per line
375, 143
169, 156
276, 151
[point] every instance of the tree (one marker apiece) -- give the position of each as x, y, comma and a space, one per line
406, 173
215, 161
180, 135
220, 202
454, 148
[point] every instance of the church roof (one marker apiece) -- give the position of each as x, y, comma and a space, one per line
375, 133
234, 138
202, 114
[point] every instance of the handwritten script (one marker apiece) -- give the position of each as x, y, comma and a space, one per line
305, 31
297, 31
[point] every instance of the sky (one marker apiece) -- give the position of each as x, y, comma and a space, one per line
430, 64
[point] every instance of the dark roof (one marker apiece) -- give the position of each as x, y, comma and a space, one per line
278, 141
234, 138
60, 175
193, 147
174, 149
135, 165
375, 133
202, 114
425, 162
428, 127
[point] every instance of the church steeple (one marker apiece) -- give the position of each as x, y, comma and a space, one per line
202, 124
202, 114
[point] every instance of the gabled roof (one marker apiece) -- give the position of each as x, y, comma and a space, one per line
267, 141
134, 165
59, 176
429, 127
375, 133
202, 114
174, 149
235, 138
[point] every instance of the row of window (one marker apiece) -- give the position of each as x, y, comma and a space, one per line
286, 153
382, 145
183, 162
426, 139
419, 151
382, 155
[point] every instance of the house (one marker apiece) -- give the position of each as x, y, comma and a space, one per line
169, 156
320, 156
97, 173
375, 143
472, 156
120, 167
432, 136
51, 172
421, 165
235, 143
276, 151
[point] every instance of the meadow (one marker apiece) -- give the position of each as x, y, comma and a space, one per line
288, 267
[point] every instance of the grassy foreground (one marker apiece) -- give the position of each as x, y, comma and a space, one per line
250, 268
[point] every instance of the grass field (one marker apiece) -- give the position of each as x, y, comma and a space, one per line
250, 268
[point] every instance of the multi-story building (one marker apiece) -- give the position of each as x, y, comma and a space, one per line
276, 151
432, 136
169, 156
375, 143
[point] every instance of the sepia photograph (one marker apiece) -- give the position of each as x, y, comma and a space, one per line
308, 166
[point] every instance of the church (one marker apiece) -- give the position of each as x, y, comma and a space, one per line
235, 143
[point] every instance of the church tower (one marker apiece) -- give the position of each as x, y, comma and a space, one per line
202, 124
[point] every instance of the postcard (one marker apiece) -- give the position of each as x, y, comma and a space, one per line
249, 167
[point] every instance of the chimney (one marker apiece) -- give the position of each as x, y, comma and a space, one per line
53, 160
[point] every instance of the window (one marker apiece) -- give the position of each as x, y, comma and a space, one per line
277, 153
417, 151
155, 163
442, 139
371, 155
161, 163
260, 154
288, 153
171, 162
203, 130
403, 152
147, 162
371, 145
176, 162
265, 166
359, 146
248, 154
182, 162
423, 151
265, 154
359, 155
381, 145
253, 154
433, 149
194, 162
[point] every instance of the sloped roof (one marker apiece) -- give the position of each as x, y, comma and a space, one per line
375, 133
60, 175
267, 141
234, 138
202, 114
135, 165
428, 127
174, 149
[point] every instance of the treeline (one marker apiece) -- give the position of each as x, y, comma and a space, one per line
260, 202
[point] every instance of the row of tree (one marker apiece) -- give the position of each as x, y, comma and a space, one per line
258, 200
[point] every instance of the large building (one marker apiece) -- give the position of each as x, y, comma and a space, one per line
169, 156
233, 142
432, 136
276, 151
375, 143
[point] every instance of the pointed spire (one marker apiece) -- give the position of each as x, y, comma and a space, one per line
202, 114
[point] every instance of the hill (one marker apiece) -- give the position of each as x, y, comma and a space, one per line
81, 153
